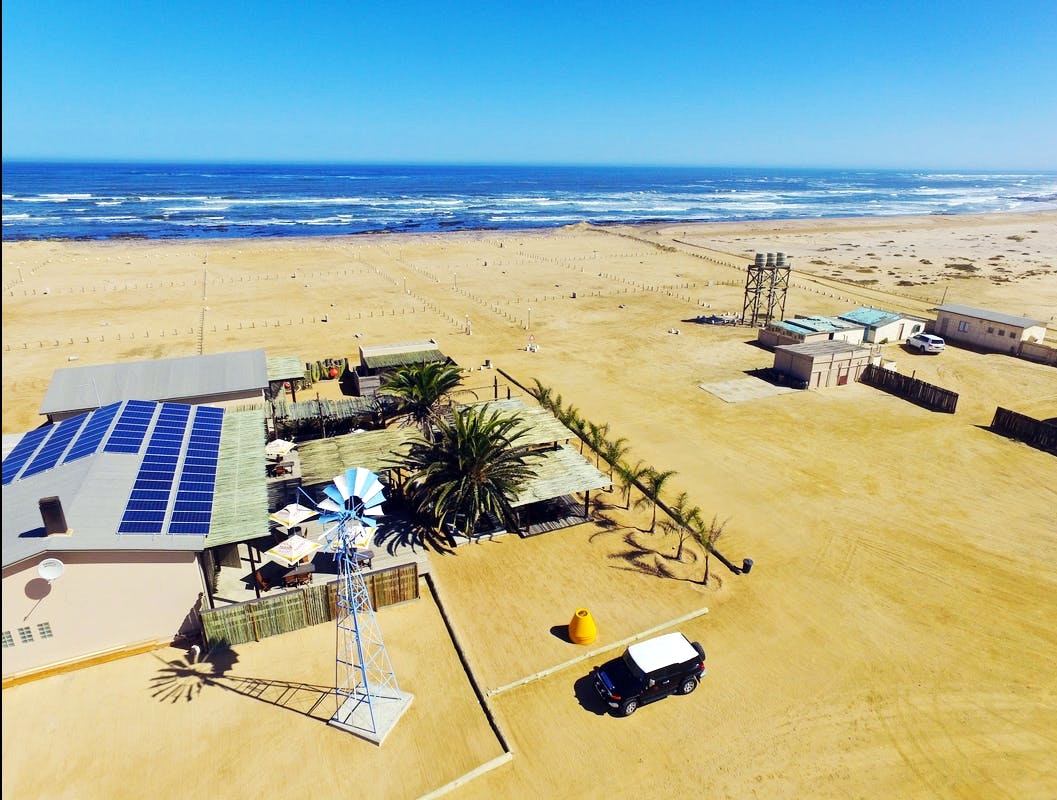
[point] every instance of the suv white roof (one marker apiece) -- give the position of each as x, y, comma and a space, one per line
662, 651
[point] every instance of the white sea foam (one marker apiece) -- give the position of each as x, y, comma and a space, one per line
62, 198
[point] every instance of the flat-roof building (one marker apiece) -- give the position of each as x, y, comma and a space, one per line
986, 329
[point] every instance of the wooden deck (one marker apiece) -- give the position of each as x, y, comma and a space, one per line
553, 515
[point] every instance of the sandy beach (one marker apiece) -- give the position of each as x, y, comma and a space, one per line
895, 637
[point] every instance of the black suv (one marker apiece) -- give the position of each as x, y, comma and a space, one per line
650, 670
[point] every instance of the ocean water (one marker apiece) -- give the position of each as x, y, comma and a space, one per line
201, 201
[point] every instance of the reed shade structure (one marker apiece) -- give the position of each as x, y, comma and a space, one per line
560, 469
322, 459
284, 368
543, 426
559, 472
348, 408
240, 495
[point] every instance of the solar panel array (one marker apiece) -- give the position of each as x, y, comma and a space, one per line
92, 433
22, 452
149, 501
194, 495
131, 427
174, 455
48, 455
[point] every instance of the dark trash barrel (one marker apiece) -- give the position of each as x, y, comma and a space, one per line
746, 566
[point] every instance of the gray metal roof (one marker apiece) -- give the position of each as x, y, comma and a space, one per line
990, 316
172, 379
94, 489
823, 348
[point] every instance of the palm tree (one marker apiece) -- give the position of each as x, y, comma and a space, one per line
544, 394
708, 536
683, 521
570, 417
613, 452
654, 482
421, 390
630, 475
474, 467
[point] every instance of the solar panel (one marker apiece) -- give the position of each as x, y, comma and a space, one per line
127, 435
92, 434
149, 500
52, 451
23, 451
193, 509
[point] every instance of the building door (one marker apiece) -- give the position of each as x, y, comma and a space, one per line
943, 326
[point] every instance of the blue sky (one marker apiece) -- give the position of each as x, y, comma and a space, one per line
829, 84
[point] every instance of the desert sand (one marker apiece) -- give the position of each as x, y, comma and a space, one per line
896, 636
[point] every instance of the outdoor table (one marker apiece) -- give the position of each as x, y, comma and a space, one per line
363, 556
300, 574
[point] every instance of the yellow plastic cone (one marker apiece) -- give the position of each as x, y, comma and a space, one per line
582, 629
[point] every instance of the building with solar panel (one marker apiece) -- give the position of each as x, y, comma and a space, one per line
122, 502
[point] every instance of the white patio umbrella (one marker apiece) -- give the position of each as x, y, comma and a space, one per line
293, 549
278, 448
293, 514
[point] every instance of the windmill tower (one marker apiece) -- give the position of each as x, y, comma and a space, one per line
369, 701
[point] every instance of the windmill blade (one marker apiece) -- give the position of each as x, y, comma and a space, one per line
364, 479
332, 506
336, 496
373, 494
358, 478
343, 485
373, 511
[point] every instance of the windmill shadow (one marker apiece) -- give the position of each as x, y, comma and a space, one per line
183, 679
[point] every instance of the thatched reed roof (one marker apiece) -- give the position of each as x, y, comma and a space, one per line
322, 459
240, 496
558, 473
543, 426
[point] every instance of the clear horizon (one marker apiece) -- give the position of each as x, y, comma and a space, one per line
965, 86
528, 165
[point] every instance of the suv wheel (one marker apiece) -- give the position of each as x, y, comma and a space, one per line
688, 686
629, 708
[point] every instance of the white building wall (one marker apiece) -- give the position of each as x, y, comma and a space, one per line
985, 334
102, 602
897, 331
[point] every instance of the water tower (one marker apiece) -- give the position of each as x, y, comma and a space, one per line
766, 284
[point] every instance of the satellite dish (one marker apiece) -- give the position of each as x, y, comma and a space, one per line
50, 569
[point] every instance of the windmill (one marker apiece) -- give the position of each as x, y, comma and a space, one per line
369, 701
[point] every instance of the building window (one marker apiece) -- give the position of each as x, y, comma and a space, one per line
25, 635
9, 640
963, 326
1001, 331
991, 329
44, 630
